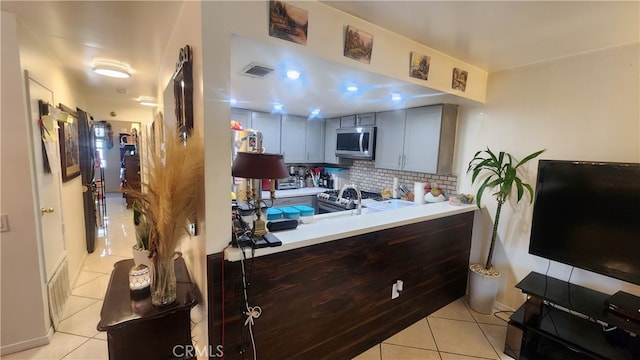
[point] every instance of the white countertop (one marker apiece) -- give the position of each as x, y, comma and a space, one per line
345, 224
294, 192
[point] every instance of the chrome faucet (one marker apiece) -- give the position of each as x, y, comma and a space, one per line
354, 187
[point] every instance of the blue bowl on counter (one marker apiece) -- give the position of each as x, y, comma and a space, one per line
290, 212
274, 214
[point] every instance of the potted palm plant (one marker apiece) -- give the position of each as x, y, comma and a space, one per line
500, 173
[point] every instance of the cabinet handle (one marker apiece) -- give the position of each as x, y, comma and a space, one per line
399, 161
404, 160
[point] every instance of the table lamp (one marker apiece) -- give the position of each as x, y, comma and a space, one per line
257, 166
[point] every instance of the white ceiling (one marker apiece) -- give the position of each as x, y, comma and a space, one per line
491, 35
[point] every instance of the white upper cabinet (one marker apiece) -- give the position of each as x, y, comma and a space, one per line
421, 141
390, 139
302, 139
358, 120
315, 140
294, 134
330, 140
269, 125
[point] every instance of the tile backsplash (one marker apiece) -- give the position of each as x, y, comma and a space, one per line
367, 177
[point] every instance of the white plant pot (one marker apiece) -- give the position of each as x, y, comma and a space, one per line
482, 291
142, 257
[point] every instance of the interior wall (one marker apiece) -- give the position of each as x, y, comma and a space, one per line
584, 107
188, 31
21, 275
34, 56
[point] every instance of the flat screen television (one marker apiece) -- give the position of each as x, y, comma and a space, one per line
587, 214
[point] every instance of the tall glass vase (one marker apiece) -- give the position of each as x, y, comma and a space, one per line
163, 289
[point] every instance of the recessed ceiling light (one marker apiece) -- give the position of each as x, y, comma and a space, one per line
396, 96
111, 69
352, 88
147, 101
233, 101
277, 106
293, 74
315, 112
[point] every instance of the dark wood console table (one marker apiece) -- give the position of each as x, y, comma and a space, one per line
561, 320
138, 330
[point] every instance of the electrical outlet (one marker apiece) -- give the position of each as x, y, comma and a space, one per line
394, 291
4, 222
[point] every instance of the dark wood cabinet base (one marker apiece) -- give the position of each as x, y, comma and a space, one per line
333, 300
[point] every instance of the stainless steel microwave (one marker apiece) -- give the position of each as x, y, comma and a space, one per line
356, 143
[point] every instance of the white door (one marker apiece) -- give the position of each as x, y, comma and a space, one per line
315, 141
269, 125
390, 139
422, 139
292, 138
330, 140
48, 197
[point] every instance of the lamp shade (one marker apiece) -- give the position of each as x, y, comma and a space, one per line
259, 166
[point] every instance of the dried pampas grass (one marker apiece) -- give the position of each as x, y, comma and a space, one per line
173, 194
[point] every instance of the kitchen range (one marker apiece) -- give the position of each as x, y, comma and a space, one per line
331, 201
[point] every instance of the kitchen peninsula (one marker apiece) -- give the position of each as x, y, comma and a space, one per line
326, 292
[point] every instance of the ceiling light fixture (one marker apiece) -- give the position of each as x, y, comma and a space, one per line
396, 96
233, 101
315, 112
147, 101
111, 69
352, 88
293, 74
277, 106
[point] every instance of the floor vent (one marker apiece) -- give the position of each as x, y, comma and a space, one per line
256, 70
59, 291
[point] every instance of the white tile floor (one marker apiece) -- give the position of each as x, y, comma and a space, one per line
452, 333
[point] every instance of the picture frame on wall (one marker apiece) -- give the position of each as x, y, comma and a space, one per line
459, 79
419, 66
358, 45
69, 148
288, 22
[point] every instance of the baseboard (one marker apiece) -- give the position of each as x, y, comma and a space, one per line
502, 307
28, 344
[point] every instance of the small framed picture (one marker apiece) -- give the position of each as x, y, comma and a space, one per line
358, 44
69, 150
288, 22
459, 80
419, 66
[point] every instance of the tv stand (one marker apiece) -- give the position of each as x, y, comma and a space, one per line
561, 320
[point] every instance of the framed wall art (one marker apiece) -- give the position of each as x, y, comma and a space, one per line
459, 80
288, 22
419, 66
183, 91
358, 44
69, 144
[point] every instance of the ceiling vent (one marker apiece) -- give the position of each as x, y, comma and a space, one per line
257, 70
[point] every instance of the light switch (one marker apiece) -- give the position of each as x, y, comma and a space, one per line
4, 222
